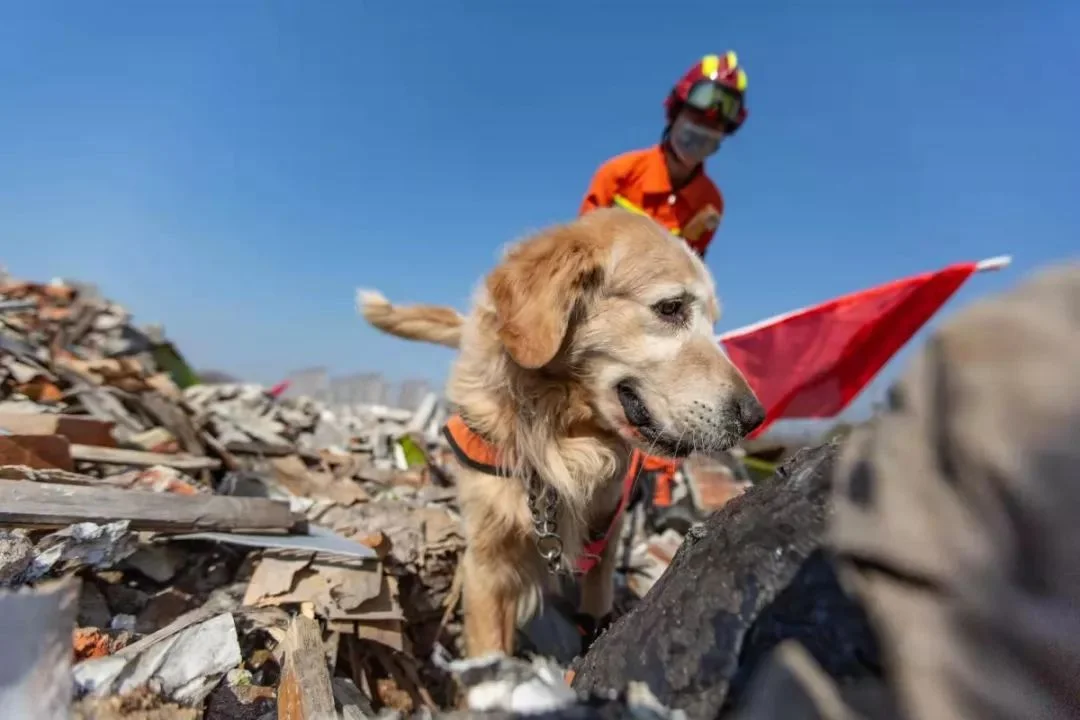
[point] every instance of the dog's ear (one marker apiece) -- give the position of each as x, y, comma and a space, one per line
536, 287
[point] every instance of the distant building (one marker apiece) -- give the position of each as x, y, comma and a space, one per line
309, 382
365, 388
360, 389
412, 393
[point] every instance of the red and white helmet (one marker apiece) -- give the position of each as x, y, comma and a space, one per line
715, 86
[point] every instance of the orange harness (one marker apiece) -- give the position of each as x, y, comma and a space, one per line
478, 454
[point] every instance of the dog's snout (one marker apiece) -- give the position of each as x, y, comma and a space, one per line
747, 413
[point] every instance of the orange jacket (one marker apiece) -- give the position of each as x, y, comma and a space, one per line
638, 180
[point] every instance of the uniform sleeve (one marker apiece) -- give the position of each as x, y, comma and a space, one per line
706, 237
602, 188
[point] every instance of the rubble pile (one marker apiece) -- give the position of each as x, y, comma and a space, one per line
177, 549
220, 551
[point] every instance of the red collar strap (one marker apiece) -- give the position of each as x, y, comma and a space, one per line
474, 452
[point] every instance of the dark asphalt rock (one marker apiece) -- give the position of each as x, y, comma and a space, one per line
752, 576
816, 612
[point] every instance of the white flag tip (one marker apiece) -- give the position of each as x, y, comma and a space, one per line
994, 263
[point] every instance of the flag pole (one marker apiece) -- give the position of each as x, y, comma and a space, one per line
992, 264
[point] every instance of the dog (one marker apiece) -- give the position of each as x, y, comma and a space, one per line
589, 345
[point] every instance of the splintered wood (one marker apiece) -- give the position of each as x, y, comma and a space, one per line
305, 692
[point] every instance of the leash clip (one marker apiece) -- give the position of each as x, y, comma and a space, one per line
550, 547
548, 542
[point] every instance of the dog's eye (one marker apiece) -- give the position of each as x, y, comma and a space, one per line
670, 309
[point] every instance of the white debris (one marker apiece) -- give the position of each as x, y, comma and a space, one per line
499, 682
183, 661
82, 544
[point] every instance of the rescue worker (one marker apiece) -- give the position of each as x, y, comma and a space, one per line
667, 181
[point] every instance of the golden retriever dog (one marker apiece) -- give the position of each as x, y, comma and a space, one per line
590, 343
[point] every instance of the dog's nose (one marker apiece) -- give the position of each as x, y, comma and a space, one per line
748, 413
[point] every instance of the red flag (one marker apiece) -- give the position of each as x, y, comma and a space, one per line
811, 363
279, 388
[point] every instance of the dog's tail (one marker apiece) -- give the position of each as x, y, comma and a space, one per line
430, 323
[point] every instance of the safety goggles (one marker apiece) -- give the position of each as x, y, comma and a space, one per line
716, 101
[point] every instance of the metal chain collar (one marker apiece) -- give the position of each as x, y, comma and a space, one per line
544, 506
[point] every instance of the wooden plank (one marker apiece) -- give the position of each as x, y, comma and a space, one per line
51, 475
227, 459
102, 404
36, 451
388, 632
305, 692
84, 321
123, 481
31, 504
171, 417
139, 458
76, 428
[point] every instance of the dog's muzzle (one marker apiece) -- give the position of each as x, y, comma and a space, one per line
637, 414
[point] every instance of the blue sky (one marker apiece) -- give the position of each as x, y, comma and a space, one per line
235, 169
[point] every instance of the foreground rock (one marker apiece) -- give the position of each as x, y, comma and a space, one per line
752, 576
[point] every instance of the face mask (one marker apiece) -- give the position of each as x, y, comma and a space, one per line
693, 143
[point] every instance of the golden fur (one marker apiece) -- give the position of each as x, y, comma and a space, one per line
418, 322
567, 321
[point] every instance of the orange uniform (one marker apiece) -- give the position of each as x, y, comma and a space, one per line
638, 180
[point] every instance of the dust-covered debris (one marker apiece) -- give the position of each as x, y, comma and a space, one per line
181, 662
203, 521
142, 704
81, 545
503, 683
16, 554
235, 549
497, 686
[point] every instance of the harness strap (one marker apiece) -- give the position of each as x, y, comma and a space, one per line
594, 549
475, 452
471, 449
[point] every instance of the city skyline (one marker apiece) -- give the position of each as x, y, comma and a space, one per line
369, 387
